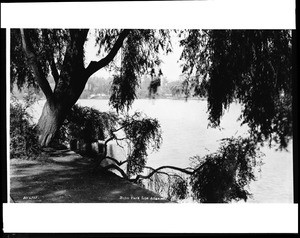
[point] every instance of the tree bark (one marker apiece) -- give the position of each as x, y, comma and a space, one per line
50, 121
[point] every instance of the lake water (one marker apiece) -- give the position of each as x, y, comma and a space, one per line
186, 133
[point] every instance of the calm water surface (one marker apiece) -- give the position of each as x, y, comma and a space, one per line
186, 133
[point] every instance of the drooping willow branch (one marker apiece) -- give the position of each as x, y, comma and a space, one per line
188, 171
140, 132
116, 164
219, 171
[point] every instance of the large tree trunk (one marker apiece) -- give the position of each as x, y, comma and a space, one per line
69, 82
56, 109
50, 121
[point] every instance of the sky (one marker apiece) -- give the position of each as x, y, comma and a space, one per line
170, 67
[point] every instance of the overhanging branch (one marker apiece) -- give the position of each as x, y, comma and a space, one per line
189, 170
165, 173
113, 166
158, 169
119, 163
94, 66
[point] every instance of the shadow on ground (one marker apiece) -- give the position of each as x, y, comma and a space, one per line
66, 177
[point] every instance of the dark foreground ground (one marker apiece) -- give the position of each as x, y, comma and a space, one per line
66, 177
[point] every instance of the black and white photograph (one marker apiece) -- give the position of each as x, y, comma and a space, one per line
213, 128
150, 115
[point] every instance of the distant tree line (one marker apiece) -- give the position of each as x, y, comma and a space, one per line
100, 86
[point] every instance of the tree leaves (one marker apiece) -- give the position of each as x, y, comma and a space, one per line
139, 56
143, 133
20, 72
223, 176
46, 43
251, 66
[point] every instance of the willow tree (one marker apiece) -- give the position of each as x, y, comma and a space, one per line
36, 53
253, 67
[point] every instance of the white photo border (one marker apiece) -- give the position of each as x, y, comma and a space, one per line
157, 218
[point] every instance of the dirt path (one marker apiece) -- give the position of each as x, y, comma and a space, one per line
66, 177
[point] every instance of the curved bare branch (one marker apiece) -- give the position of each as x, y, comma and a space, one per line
94, 66
113, 166
158, 169
119, 163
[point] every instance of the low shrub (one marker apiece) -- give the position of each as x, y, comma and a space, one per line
23, 133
